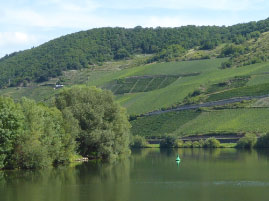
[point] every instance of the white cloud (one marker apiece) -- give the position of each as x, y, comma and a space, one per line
15, 38
15, 41
83, 14
229, 5
71, 5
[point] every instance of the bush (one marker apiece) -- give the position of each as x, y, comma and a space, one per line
263, 142
196, 92
187, 144
11, 128
139, 142
248, 141
201, 143
179, 143
211, 143
196, 144
168, 142
226, 64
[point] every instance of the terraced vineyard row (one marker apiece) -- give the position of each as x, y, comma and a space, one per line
255, 90
196, 122
140, 83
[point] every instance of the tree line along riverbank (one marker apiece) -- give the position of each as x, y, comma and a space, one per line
80, 120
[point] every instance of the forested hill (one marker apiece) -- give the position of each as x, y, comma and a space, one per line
79, 50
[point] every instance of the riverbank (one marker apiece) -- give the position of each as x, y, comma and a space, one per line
222, 145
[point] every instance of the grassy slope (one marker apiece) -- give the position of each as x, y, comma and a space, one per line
142, 102
192, 122
258, 79
37, 93
233, 120
254, 120
237, 120
254, 90
158, 125
177, 91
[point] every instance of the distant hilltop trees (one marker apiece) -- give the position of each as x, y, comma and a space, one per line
86, 48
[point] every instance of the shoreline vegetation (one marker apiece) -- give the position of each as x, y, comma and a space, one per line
82, 120
247, 141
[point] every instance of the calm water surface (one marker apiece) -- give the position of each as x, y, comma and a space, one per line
148, 175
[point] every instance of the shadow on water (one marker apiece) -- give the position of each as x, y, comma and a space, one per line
84, 181
263, 153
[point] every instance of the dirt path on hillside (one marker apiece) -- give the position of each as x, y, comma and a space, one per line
208, 104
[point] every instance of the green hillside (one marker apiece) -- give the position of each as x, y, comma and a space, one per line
204, 75
87, 49
192, 122
183, 72
235, 120
252, 51
159, 125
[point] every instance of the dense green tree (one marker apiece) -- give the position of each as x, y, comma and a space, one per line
11, 128
232, 49
168, 53
263, 141
122, 54
169, 141
33, 135
103, 124
211, 143
248, 141
45, 140
138, 142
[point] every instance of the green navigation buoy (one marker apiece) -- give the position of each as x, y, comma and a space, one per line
178, 159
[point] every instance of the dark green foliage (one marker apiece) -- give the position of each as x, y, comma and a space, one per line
138, 142
11, 128
103, 124
227, 64
158, 125
168, 54
122, 54
211, 143
232, 49
47, 139
85, 48
209, 44
248, 141
196, 92
263, 141
169, 141
33, 135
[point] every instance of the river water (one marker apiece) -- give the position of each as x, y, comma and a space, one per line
148, 175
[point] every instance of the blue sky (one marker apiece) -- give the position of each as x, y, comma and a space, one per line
28, 23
